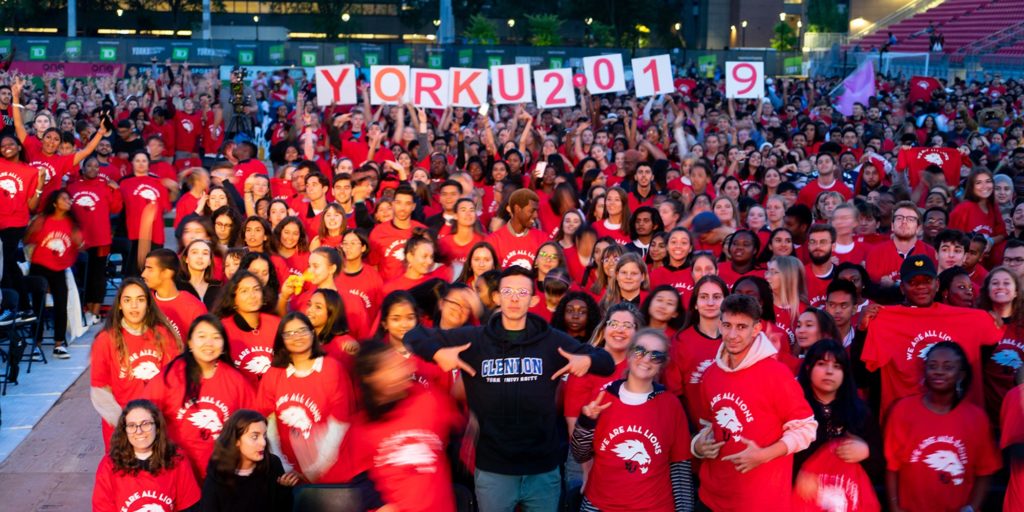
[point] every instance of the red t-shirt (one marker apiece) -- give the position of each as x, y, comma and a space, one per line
187, 129
186, 206
57, 167
180, 311
247, 168
55, 249
730, 276
252, 350
164, 130
741, 406
681, 280
362, 294
303, 406
690, 356
633, 448
138, 192
899, 338
145, 361
858, 254
968, 217
163, 170
404, 451
1011, 421
516, 250
213, 135
884, 260
817, 287
580, 391
387, 248
938, 456
169, 491
18, 184
603, 230
93, 202
194, 425
809, 194
838, 485
115, 169
451, 253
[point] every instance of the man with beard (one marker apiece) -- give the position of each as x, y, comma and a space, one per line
6, 114
884, 260
821, 241
111, 167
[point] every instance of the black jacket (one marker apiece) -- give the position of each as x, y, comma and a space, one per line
522, 431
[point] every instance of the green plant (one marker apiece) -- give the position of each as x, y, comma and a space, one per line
785, 39
825, 16
480, 30
602, 34
545, 29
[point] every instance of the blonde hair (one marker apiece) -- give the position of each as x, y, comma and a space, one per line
793, 291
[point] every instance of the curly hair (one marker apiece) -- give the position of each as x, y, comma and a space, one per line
166, 338
122, 453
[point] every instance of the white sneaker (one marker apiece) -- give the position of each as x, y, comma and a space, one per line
91, 319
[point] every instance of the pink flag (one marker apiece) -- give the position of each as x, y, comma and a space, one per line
857, 88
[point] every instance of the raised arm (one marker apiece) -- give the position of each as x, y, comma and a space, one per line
91, 146
19, 124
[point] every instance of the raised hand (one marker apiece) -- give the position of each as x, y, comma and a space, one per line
448, 359
578, 365
594, 409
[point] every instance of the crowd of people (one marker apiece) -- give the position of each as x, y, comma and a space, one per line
683, 302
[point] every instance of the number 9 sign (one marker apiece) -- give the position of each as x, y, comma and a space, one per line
744, 79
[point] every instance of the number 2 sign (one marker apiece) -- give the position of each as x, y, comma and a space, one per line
744, 79
554, 88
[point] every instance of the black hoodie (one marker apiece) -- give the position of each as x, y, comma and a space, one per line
522, 432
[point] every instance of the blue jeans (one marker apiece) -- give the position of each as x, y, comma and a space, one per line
533, 493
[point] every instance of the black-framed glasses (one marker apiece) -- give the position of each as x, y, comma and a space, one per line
145, 426
656, 356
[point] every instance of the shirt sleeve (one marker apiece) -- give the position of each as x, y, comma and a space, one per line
874, 355
100, 375
1011, 419
894, 439
103, 491
681, 443
186, 490
989, 458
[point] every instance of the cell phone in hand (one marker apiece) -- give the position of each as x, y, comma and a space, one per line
539, 170
485, 108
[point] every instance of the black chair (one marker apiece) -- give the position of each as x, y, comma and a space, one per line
10, 356
37, 288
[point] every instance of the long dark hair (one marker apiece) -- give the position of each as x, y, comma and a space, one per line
226, 456
391, 300
193, 373
764, 292
675, 323
282, 358
50, 206
123, 454
152, 319
337, 321
226, 307
273, 286
693, 318
467, 269
847, 410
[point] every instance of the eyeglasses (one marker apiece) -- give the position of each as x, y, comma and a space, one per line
224, 225
615, 324
297, 333
519, 293
656, 356
145, 426
456, 304
1013, 261
909, 219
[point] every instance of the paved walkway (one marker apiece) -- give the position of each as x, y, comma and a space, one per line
50, 442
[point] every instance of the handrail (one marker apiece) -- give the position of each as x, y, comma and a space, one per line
896, 16
992, 41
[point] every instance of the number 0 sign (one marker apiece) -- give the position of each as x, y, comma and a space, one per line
744, 79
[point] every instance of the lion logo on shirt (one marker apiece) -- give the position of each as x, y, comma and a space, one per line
9, 186
258, 365
151, 507
418, 455
57, 245
1008, 357
635, 454
727, 419
187, 125
934, 159
86, 201
832, 498
147, 193
924, 351
948, 465
923, 84
207, 421
145, 370
297, 418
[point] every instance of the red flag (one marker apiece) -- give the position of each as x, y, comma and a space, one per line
921, 88
685, 86
916, 159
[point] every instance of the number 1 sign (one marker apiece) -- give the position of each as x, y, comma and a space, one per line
744, 79
652, 75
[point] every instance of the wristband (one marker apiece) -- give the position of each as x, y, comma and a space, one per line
19, 105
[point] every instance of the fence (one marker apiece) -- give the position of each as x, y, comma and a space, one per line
54, 52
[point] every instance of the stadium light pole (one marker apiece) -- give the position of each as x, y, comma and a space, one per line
446, 29
72, 18
206, 20
743, 34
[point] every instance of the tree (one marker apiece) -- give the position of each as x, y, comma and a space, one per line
785, 39
328, 12
825, 16
480, 30
602, 34
625, 17
545, 29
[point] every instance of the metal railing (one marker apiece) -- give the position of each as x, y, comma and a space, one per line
896, 16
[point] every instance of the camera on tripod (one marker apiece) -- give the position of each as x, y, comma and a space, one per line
238, 96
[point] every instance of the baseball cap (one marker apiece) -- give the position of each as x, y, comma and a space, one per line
917, 265
704, 222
